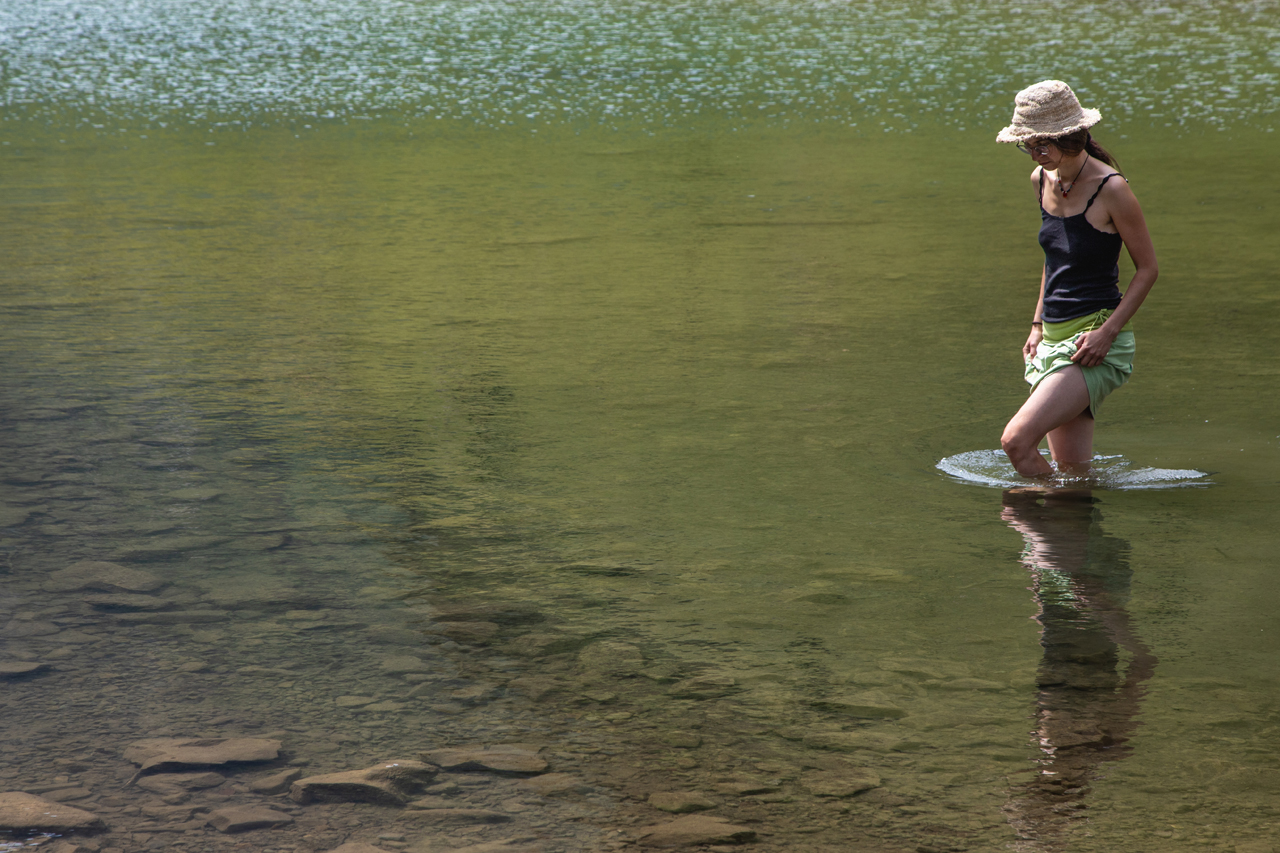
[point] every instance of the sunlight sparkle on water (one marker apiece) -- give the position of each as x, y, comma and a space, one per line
883, 66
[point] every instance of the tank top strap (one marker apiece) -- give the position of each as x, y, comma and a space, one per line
1099, 189
1040, 192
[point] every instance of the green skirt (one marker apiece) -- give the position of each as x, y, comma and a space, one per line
1059, 344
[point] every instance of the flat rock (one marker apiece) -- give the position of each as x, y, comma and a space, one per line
12, 516
19, 668
844, 783
389, 783
459, 816
494, 760
245, 818
550, 784
694, 830
276, 783
357, 847
172, 753
850, 741
21, 812
681, 802
101, 576
196, 494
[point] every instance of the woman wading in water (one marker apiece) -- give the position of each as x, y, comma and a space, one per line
1081, 347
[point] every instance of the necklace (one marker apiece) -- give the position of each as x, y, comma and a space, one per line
1066, 190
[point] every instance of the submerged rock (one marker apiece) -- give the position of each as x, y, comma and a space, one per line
694, 830
172, 783
101, 576
245, 818
172, 753
495, 760
21, 812
391, 783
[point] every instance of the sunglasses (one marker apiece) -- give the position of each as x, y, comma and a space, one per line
1035, 149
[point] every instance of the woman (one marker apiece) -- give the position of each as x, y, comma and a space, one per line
1081, 347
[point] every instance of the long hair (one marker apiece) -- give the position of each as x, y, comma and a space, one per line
1082, 140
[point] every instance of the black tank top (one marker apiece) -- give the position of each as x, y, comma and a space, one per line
1081, 263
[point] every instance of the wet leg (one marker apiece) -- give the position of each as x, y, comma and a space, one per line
1058, 401
1072, 444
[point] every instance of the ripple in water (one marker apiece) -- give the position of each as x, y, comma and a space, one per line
992, 468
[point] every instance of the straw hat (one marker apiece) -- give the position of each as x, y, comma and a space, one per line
1049, 108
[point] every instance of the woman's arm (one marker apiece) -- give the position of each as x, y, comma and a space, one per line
1037, 324
1126, 215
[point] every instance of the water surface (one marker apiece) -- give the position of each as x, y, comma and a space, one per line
626, 429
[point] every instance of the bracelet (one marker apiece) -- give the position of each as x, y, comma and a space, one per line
1036, 323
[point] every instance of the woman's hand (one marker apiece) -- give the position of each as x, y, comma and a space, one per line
1033, 341
1092, 347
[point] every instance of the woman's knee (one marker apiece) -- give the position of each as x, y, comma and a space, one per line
1017, 441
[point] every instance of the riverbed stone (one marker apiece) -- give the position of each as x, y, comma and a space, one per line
245, 818
357, 847
695, 830
494, 760
101, 576
389, 783
173, 753
22, 812
681, 802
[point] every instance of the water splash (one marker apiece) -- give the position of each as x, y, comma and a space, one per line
992, 468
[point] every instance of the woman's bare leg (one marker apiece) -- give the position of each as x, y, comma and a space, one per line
1072, 444
1059, 401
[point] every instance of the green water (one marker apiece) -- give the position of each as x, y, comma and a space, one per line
629, 433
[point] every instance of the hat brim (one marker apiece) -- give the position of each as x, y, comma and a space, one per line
1020, 132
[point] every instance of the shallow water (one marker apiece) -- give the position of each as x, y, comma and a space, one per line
627, 432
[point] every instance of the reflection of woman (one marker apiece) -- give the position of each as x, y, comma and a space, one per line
1081, 347
1086, 707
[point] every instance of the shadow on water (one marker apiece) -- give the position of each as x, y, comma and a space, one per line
1092, 677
